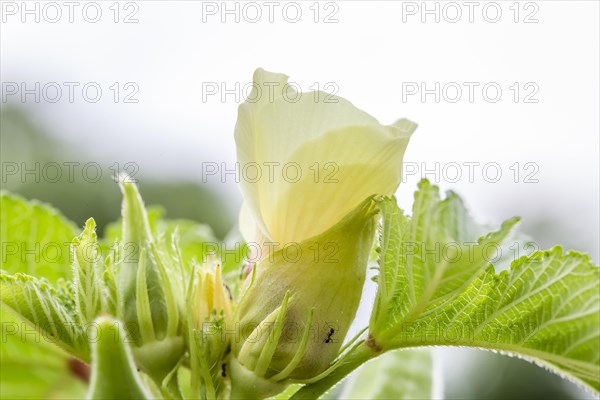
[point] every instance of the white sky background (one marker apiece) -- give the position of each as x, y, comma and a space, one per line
368, 54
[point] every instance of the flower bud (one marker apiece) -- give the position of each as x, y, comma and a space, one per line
299, 304
211, 306
212, 300
147, 301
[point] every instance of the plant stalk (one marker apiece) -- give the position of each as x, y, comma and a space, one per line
359, 356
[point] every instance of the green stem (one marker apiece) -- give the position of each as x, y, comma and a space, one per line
359, 356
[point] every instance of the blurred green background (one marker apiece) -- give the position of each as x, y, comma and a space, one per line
26, 146
467, 374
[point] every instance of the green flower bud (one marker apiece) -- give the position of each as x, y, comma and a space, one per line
296, 311
147, 300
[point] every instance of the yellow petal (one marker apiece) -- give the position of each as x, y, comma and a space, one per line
322, 137
266, 88
247, 223
353, 163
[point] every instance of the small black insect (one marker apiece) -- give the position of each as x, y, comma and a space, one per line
329, 335
223, 370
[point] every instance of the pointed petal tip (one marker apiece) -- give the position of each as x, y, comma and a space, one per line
405, 126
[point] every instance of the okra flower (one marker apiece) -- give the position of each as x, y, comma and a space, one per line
317, 156
322, 161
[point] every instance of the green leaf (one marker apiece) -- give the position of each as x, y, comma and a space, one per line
114, 374
400, 374
34, 368
194, 239
35, 238
50, 310
113, 231
427, 259
86, 273
545, 309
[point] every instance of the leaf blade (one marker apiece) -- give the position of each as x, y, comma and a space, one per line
545, 309
46, 308
35, 238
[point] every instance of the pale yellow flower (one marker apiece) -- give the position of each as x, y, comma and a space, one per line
319, 156
322, 160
